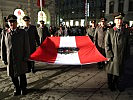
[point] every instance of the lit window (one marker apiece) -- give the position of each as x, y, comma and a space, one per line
20, 14
82, 22
42, 16
67, 23
111, 7
71, 22
76, 23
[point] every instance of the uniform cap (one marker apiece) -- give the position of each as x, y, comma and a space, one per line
41, 21
103, 19
11, 17
120, 16
93, 21
26, 18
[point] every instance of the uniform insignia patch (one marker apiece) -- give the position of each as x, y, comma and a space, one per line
67, 50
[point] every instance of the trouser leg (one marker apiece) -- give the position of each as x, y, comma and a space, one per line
116, 80
29, 66
119, 82
110, 80
15, 81
33, 66
23, 81
23, 84
101, 65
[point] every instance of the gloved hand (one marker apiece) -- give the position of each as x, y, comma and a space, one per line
110, 59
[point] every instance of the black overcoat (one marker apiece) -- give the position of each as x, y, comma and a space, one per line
15, 50
116, 48
33, 37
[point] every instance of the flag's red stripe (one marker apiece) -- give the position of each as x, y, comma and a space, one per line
88, 52
43, 3
47, 52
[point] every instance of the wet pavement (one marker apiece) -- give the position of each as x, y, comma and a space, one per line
56, 82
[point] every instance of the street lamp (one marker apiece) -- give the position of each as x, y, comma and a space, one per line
103, 13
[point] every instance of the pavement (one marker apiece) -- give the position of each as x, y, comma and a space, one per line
56, 82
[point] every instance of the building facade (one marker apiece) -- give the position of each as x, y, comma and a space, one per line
113, 7
30, 8
78, 12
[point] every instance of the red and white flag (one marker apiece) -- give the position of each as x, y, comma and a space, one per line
74, 50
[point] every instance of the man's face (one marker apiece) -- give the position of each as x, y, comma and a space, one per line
27, 22
126, 25
93, 24
118, 22
41, 24
103, 23
12, 24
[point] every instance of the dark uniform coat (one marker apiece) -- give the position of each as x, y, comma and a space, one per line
33, 37
15, 50
115, 47
43, 33
91, 33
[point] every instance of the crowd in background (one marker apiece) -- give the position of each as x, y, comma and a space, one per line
64, 30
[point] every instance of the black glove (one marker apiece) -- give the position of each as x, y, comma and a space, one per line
111, 58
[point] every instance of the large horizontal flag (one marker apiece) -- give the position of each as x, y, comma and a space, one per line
74, 50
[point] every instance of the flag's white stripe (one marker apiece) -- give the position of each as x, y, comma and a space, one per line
67, 41
72, 58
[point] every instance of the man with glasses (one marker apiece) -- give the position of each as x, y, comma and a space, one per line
33, 40
15, 53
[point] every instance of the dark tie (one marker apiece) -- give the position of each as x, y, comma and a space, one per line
12, 32
26, 28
